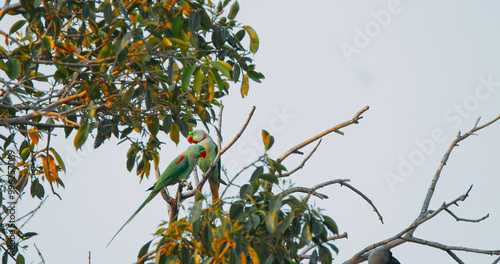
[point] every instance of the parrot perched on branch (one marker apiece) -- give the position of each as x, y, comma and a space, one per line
179, 169
200, 137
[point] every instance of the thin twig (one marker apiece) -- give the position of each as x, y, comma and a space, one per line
303, 190
303, 162
39, 253
239, 133
236, 176
466, 220
454, 256
344, 235
366, 199
335, 129
145, 257
447, 247
432, 187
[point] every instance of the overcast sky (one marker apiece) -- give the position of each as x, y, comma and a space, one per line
426, 69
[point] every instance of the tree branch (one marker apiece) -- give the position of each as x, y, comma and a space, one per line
430, 191
446, 247
335, 129
303, 162
466, 220
303, 190
366, 199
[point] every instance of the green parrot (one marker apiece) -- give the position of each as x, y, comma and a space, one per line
200, 137
179, 169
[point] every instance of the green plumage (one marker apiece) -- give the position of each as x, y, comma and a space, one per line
201, 138
179, 169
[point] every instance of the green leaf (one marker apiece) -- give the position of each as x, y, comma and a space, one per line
61, 69
268, 259
325, 256
186, 77
81, 135
286, 223
122, 42
29, 235
104, 52
37, 189
223, 67
194, 21
255, 175
48, 43
235, 7
236, 72
245, 191
272, 222
245, 86
254, 39
275, 204
269, 177
330, 224
334, 248
144, 250
14, 68
314, 257
195, 212
174, 134
108, 13
19, 24
198, 81
305, 236
153, 124
20, 259
130, 163
185, 255
167, 124
276, 166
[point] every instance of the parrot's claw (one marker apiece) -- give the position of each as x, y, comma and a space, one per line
186, 184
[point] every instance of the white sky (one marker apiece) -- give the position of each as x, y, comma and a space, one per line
415, 72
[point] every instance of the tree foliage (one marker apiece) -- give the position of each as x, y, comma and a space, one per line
128, 69
259, 226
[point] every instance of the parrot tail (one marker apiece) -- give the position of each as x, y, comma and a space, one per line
150, 197
214, 188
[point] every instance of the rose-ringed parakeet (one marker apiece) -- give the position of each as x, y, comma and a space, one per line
179, 169
200, 137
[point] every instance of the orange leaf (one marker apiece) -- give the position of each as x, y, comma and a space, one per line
33, 134
52, 168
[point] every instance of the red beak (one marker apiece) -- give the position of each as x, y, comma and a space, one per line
190, 140
203, 153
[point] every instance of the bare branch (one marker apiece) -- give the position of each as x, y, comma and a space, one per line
303, 162
335, 129
318, 186
303, 190
446, 247
236, 176
344, 235
366, 199
454, 256
39, 253
496, 260
466, 220
239, 133
432, 187
8, 8
145, 257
